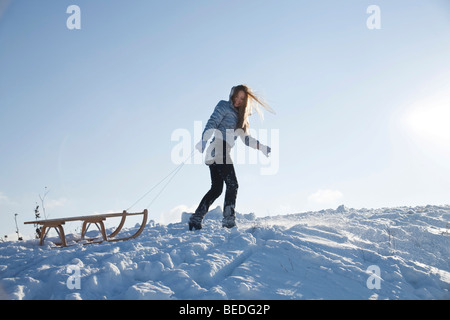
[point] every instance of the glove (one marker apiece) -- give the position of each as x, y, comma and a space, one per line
265, 149
201, 146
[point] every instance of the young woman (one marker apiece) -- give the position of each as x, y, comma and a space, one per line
228, 121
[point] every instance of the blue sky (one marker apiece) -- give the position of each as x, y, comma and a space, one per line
89, 113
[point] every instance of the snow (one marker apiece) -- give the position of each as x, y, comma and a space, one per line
330, 254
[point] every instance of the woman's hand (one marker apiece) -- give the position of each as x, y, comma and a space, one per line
265, 149
201, 146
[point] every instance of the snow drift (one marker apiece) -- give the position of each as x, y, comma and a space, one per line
330, 254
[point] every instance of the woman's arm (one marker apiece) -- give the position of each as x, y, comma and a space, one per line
212, 124
254, 143
214, 121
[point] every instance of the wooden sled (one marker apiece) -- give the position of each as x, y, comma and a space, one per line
97, 220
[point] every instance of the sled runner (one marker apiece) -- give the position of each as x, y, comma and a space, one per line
98, 219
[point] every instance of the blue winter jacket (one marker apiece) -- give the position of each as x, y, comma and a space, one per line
222, 125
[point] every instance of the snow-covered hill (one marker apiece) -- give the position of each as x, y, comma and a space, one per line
330, 254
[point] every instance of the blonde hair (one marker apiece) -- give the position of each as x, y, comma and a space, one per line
253, 103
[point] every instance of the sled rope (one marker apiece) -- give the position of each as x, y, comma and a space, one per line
172, 174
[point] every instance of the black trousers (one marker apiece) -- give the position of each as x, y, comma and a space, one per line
220, 174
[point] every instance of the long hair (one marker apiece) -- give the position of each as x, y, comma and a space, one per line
253, 103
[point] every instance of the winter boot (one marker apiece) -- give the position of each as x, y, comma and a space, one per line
229, 219
195, 222
229, 222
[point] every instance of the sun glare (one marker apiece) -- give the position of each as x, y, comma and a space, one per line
431, 121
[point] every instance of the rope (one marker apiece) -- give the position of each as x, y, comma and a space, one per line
172, 175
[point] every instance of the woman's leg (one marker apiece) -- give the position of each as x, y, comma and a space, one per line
229, 176
195, 222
